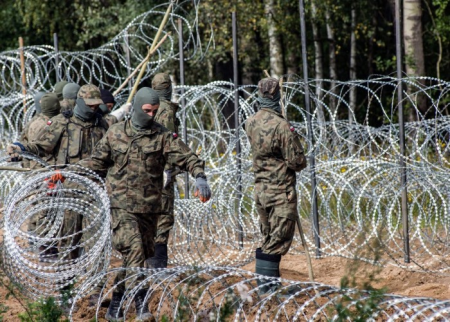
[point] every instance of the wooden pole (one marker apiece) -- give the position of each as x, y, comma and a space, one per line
155, 41
117, 91
22, 71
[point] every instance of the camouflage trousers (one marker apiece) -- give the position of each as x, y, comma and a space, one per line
166, 219
72, 226
277, 216
133, 237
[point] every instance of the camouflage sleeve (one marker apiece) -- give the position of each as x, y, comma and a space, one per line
47, 140
100, 159
178, 154
24, 135
291, 148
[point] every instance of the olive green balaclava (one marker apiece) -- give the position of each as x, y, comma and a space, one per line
59, 89
162, 85
37, 104
70, 91
140, 120
50, 105
269, 94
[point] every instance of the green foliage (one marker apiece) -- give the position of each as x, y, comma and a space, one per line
46, 310
360, 300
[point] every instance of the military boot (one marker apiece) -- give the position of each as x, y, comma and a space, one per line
160, 258
115, 312
268, 265
142, 312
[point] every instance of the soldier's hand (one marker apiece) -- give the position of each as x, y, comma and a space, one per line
14, 152
202, 189
126, 108
121, 111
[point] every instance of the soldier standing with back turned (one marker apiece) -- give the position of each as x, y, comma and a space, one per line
277, 156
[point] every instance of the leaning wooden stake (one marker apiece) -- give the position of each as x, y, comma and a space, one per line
147, 58
22, 70
155, 41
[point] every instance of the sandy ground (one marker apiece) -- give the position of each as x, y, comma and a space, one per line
327, 271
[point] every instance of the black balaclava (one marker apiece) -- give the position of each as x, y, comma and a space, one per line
70, 91
37, 104
162, 85
107, 97
59, 89
50, 105
82, 111
140, 120
269, 94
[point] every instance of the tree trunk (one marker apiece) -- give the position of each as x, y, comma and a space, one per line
275, 50
412, 39
332, 55
318, 65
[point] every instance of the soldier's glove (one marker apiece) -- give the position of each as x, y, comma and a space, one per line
167, 178
54, 178
122, 111
14, 151
202, 189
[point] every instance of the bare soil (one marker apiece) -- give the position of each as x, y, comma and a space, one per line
328, 271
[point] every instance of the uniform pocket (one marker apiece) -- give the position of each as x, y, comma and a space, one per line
152, 157
118, 153
75, 142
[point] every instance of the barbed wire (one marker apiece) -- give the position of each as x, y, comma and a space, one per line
358, 187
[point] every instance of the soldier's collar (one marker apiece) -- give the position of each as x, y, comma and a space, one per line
132, 131
268, 109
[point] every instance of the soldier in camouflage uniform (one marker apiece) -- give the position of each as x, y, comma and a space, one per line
69, 93
24, 134
49, 106
58, 89
277, 156
69, 138
134, 154
166, 116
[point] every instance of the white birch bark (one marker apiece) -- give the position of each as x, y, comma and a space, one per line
332, 56
318, 64
413, 43
275, 50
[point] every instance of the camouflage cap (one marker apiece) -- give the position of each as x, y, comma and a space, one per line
268, 87
90, 94
161, 81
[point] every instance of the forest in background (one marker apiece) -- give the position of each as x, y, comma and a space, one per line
346, 39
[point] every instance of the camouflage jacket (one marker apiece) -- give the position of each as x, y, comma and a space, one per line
30, 133
68, 139
134, 162
276, 149
166, 116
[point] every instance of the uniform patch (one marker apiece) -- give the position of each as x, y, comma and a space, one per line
175, 135
292, 128
49, 123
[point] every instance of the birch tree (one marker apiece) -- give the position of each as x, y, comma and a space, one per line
413, 42
275, 49
318, 63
